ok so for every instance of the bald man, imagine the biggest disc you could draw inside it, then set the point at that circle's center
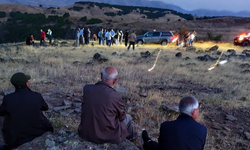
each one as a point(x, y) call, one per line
point(184, 133)
point(103, 119)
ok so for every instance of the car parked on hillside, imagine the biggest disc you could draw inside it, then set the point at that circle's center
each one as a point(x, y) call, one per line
point(242, 40)
point(156, 37)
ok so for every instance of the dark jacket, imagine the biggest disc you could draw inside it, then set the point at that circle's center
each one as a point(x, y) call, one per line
point(184, 133)
point(24, 119)
point(102, 115)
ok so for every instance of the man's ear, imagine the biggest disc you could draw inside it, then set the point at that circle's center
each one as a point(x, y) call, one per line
point(27, 84)
point(114, 81)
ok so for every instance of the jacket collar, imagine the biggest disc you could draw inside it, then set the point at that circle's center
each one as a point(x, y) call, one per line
point(22, 89)
point(104, 83)
point(184, 116)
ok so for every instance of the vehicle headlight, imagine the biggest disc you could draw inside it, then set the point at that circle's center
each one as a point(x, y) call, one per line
point(241, 38)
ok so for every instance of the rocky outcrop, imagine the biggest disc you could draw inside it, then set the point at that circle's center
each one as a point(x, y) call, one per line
point(63, 141)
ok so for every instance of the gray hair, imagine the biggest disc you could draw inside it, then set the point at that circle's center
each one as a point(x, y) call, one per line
point(108, 76)
point(188, 104)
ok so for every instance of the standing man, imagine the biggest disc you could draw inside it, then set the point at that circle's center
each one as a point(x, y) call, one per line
point(85, 34)
point(89, 34)
point(77, 37)
point(192, 36)
point(132, 40)
point(23, 111)
point(101, 37)
point(126, 38)
point(42, 35)
point(49, 33)
point(184, 133)
point(121, 37)
point(81, 36)
point(103, 118)
point(112, 36)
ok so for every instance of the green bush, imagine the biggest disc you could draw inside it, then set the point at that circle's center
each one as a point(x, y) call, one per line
point(216, 38)
point(66, 15)
point(112, 14)
point(83, 19)
point(75, 8)
point(2, 14)
point(94, 21)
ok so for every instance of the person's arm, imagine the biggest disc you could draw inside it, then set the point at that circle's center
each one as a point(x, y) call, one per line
point(204, 139)
point(44, 105)
point(3, 111)
point(121, 110)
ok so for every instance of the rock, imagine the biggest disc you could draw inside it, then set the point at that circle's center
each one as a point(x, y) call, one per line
point(242, 57)
point(55, 42)
point(142, 94)
point(67, 112)
point(77, 100)
point(231, 118)
point(231, 51)
point(120, 89)
point(243, 99)
point(216, 126)
point(7, 58)
point(190, 48)
point(100, 57)
point(214, 48)
point(90, 63)
point(77, 105)
point(77, 63)
point(245, 71)
point(246, 65)
point(66, 103)
point(92, 44)
point(199, 51)
point(206, 58)
point(169, 109)
point(145, 54)
point(226, 128)
point(187, 58)
point(153, 103)
point(247, 54)
point(179, 54)
point(114, 53)
point(218, 53)
point(1, 97)
point(49, 141)
point(57, 109)
point(247, 134)
point(78, 110)
point(245, 51)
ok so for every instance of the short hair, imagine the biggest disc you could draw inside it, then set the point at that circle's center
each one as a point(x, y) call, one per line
point(188, 104)
point(108, 76)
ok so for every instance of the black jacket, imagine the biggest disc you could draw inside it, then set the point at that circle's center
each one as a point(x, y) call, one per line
point(24, 119)
point(184, 133)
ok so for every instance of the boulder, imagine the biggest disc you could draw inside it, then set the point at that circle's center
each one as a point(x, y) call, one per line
point(145, 54)
point(100, 57)
point(190, 49)
point(179, 54)
point(206, 58)
point(214, 48)
point(72, 141)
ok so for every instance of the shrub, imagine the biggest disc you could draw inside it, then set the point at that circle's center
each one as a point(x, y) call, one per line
point(83, 19)
point(112, 14)
point(75, 8)
point(216, 38)
point(2, 14)
point(66, 15)
point(94, 21)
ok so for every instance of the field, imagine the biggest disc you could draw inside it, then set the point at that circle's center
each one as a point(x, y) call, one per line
point(60, 72)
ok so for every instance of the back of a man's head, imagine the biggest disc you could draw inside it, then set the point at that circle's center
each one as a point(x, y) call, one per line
point(109, 73)
point(188, 104)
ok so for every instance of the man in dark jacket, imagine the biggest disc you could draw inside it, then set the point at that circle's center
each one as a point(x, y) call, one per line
point(184, 133)
point(126, 38)
point(103, 118)
point(23, 111)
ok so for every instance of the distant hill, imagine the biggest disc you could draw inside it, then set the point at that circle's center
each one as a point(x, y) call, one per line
point(146, 3)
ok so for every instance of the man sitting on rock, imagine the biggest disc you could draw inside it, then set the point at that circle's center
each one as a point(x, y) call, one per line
point(184, 133)
point(103, 119)
point(23, 111)
point(30, 40)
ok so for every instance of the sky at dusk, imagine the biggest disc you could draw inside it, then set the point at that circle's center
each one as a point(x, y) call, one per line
point(231, 5)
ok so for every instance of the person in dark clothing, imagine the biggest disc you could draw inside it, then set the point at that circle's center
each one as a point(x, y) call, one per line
point(30, 40)
point(23, 111)
point(85, 34)
point(184, 133)
point(126, 38)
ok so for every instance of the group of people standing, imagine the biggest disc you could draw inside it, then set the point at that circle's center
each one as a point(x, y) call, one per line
point(188, 39)
point(111, 37)
point(30, 40)
point(82, 36)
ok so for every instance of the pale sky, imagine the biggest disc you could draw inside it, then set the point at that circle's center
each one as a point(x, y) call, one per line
point(230, 5)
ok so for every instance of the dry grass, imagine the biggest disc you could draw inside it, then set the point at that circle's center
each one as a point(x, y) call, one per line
point(56, 64)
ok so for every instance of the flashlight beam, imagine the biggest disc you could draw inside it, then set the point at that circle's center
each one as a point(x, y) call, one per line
point(155, 61)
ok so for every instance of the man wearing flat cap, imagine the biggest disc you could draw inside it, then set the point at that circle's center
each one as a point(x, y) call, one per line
point(23, 111)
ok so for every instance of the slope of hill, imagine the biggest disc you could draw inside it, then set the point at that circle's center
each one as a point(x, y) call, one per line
point(146, 3)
